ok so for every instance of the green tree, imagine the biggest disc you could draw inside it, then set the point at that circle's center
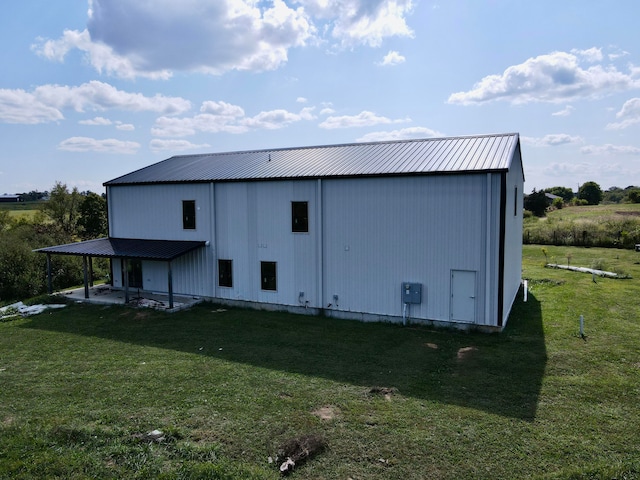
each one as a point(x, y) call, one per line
point(93, 216)
point(63, 207)
point(591, 192)
point(536, 202)
point(564, 192)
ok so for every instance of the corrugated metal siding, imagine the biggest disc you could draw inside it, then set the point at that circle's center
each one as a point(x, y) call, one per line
point(382, 232)
point(513, 234)
point(253, 224)
point(425, 156)
point(155, 211)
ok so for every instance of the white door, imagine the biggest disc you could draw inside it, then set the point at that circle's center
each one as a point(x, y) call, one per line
point(463, 296)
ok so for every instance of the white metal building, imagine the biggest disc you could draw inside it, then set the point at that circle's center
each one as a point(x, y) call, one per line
point(421, 230)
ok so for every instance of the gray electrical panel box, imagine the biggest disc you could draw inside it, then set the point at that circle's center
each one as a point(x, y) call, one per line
point(411, 292)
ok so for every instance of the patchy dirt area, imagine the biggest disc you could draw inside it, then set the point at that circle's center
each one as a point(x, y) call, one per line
point(629, 214)
point(465, 353)
point(326, 413)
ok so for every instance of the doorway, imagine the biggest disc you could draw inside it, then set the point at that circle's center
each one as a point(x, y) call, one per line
point(463, 296)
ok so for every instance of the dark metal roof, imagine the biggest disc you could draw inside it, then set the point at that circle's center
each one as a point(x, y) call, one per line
point(126, 248)
point(483, 153)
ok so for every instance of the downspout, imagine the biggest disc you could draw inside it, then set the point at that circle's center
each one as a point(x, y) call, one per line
point(320, 246)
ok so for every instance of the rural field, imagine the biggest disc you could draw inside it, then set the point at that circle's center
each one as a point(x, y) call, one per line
point(82, 387)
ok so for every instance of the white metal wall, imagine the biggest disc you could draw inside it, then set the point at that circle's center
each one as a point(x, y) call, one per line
point(368, 234)
point(513, 234)
point(155, 212)
point(253, 224)
point(380, 233)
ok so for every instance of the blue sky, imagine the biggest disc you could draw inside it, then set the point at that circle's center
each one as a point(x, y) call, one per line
point(92, 90)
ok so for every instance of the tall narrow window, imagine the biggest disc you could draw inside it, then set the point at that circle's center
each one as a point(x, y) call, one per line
point(225, 273)
point(268, 275)
point(189, 214)
point(515, 202)
point(299, 217)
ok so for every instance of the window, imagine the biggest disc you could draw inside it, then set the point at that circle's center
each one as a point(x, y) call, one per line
point(515, 202)
point(189, 214)
point(225, 273)
point(268, 275)
point(299, 217)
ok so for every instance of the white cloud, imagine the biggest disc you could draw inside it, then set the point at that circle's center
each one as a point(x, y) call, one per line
point(552, 140)
point(125, 126)
point(363, 119)
point(275, 119)
point(96, 121)
point(158, 145)
point(361, 22)
point(191, 35)
point(301, 100)
point(630, 115)
point(555, 77)
point(109, 145)
point(46, 102)
point(565, 112)
point(18, 106)
point(222, 109)
point(392, 58)
point(225, 117)
point(220, 36)
point(95, 95)
point(327, 111)
point(402, 134)
point(590, 55)
point(609, 149)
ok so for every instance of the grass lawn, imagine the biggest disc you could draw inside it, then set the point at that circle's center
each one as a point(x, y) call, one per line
point(80, 388)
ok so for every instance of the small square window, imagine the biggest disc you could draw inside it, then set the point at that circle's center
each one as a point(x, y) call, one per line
point(189, 214)
point(225, 273)
point(299, 217)
point(268, 275)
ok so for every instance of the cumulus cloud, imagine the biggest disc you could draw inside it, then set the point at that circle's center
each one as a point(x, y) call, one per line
point(96, 121)
point(609, 149)
point(555, 77)
point(565, 112)
point(363, 119)
point(629, 115)
point(158, 145)
point(402, 134)
point(392, 58)
point(46, 102)
point(128, 127)
point(225, 117)
point(216, 37)
point(552, 140)
point(18, 106)
point(109, 145)
point(361, 22)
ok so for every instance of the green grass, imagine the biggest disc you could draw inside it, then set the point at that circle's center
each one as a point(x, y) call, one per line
point(611, 225)
point(80, 386)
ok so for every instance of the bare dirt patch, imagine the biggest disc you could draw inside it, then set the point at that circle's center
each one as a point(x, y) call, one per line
point(465, 353)
point(327, 412)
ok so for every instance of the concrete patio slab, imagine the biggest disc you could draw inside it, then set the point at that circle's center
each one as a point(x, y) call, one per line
point(105, 295)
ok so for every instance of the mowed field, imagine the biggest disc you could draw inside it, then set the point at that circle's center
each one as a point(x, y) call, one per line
point(82, 387)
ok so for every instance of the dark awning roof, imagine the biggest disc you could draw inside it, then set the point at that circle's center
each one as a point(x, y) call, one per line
point(126, 248)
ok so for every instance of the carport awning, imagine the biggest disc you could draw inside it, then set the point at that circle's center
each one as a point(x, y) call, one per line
point(126, 248)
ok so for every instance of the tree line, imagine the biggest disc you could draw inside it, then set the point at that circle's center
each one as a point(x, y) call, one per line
point(589, 193)
point(67, 216)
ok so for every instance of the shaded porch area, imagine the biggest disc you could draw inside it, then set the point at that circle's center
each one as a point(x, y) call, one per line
point(107, 295)
point(125, 250)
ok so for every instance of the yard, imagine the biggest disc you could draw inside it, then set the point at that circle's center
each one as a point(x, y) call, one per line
point(81, 388)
